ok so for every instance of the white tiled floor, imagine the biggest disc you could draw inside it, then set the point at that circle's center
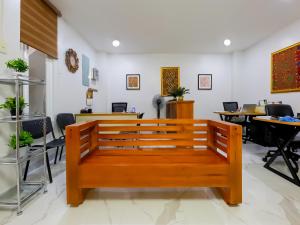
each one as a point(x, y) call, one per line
point(267, 199)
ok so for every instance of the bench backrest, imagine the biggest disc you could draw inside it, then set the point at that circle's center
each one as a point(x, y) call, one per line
point(162, 133)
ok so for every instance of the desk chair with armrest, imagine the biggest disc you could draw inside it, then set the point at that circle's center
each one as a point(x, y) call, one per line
point(280, 110)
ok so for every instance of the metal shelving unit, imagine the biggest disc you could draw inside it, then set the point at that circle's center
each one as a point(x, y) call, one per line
point(18, 195)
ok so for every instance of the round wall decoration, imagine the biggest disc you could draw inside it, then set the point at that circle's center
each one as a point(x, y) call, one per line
point(72, 61)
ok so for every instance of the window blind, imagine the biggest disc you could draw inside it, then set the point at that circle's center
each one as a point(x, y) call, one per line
point(39, 26)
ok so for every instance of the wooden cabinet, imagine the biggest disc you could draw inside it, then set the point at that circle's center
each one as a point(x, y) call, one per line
point(180, 110)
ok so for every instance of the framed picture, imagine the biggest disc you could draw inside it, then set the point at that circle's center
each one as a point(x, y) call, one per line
point(169, 79)
point(204, 81)
point(132, 81)
point(285, 69)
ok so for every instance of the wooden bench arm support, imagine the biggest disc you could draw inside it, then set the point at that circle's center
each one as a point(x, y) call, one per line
point(80, 140)
point(227, 138)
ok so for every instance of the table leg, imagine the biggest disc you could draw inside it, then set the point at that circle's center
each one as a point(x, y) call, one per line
point(281, 151)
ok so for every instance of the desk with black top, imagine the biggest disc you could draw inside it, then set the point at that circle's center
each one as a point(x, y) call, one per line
point(285, 133)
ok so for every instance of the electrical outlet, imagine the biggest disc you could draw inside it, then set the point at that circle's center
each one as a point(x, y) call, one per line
point(2, 46)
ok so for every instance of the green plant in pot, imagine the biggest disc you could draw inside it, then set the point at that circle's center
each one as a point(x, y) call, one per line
point(18, 65)
point(174, 94)
point(181, 91)
point(25, 139)
point(11, 105)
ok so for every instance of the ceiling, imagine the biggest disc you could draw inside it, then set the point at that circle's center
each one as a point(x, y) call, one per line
point(177, 26)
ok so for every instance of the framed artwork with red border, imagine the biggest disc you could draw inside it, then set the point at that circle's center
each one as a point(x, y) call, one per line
point(285, 70)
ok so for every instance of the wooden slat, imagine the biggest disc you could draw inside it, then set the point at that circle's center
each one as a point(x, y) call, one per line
point(84, 139)
point(153, 143)
point(222, 139)
point(84, 147)
point(221, 147)
point(153, 152)
point(39, 26)
point(151, 128)
point(152, 136)
point(154, 121)
point(221, 131)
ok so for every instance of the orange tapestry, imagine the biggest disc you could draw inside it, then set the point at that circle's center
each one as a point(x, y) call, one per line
point(286, 70)
point(169, 80)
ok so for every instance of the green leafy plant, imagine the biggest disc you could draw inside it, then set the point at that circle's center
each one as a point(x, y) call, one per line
point(181, 91)
point(25, 139)
point(18, 65)
point(10, 103)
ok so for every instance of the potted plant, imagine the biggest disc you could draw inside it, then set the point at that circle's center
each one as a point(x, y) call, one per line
point(181, 91)
point(18, 65)
point(174, 94)
point(25, 139)
point(10, 104)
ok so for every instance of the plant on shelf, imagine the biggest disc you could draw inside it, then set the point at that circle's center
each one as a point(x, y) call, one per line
point(25, 139)
point(10, 104)
point(179, 93)
point(174, 94)
point(18, 65)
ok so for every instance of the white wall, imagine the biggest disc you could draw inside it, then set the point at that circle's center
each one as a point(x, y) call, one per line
point(252, 74)
point(11, 35)
point(68, 92)
point(148, 66)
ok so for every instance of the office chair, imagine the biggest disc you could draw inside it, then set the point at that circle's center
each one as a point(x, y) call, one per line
point(119, 107)
point(280, 110)
point(230, 106)
point(63, 120)
point(240, 120)
point(36, 128)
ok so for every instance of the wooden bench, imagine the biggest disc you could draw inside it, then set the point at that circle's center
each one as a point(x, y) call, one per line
point(154, 153)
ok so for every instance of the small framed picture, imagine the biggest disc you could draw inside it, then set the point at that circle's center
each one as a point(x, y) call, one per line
point(132, 81)
point(204, 81)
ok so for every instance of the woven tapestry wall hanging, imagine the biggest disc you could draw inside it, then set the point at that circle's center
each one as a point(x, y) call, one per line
point(286, 70)
point(169, 79)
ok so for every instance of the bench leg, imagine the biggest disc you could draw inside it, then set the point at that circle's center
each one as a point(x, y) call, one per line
point(233, 195)
point(75, 197)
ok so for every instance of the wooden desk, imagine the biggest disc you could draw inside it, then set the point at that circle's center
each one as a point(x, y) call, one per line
point(180, 110)
point(231, 114)
point(84, 117)
point(286, 133)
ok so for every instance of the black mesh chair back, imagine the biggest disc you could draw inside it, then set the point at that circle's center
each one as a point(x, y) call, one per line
point(230, 106)
point(279, 110)
point(141, 115)
point(119, 107)
point(63, 120)
point(36, 128)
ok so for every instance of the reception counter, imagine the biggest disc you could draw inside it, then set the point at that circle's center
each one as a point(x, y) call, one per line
point(105, 116)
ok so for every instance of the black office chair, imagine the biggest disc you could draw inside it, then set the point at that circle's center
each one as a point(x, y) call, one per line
point(240, 120)
point(230, 106)
point(119, 107)
point(63, 120)
point(280, 110)
point(36, 129)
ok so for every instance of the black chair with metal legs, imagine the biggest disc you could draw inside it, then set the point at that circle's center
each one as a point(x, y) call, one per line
point(36, 129)
point(63, 120)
